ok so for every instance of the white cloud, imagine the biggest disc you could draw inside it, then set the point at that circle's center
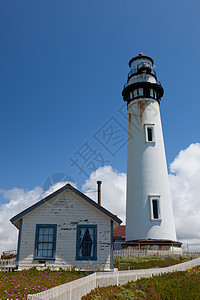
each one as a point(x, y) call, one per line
point(113, 190)
point(56, 187)
point(185, 192)
point(17, 201)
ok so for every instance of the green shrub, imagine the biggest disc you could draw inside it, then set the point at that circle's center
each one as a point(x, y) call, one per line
point(141, 294)
point(135, 263)
point(127, 294)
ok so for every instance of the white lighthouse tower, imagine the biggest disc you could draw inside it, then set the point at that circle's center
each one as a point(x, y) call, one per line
point(149, 215)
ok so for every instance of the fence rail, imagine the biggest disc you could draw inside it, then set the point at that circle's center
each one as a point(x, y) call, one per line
point(150, 253)
point(12, 253)
point(69, 291)
point(7, 264)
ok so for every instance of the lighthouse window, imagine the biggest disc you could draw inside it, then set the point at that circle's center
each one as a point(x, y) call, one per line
point(135, 93)
point(140, 92)
point(147, 92)
point(151, 93)
point(149, 133)
point(155, 207)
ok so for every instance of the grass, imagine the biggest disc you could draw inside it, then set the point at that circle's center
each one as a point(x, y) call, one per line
point(173, 286)
point(17, 285)
point(135, 263)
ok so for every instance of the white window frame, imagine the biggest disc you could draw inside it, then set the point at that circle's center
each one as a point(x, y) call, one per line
point(152, 127)
point(157, 198)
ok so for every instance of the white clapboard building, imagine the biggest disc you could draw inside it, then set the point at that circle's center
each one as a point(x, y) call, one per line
point(66, 229)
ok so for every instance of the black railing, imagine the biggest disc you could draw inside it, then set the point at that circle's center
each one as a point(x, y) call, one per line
point(143, 80)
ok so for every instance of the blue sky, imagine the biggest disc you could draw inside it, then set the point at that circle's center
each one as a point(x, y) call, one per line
point(63, 65)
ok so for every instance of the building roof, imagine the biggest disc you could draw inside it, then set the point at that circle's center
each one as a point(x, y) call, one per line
point(120, 231)
point(15, 219)
point(139, 57)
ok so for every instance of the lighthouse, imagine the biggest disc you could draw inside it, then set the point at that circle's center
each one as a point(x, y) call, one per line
point(149, 214)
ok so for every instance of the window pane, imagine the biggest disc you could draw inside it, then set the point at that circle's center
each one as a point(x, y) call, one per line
point(44, 253)
point(50, 231)
point(39, 253)
point(40, 246)
point(41, 238)
point(45, 246)
point(140, 92)
point(46, 230)
point(91, 232)
point(50, 246)
point(147, 92)
point(149, 134)
point(46, 238)
point(86, 243)
point(155, 209)
point(50, 238)
point(45, 242)
point(49, 253)
point(41, 230)
point(92, 250)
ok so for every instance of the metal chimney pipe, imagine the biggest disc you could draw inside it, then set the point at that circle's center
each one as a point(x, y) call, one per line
point(99, 191)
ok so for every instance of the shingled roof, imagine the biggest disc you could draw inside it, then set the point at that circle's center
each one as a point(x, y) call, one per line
point(120, 231)
point(15, 219)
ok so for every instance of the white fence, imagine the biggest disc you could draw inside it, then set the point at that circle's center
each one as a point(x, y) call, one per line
point(69, 291)
point(7, 264)
point(150, 253)
point(76, 289)
point(122, 277)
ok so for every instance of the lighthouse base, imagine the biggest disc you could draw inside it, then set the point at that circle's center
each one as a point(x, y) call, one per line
point(154, 246)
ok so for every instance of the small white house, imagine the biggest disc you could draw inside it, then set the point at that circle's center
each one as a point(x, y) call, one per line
point(66, 229)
